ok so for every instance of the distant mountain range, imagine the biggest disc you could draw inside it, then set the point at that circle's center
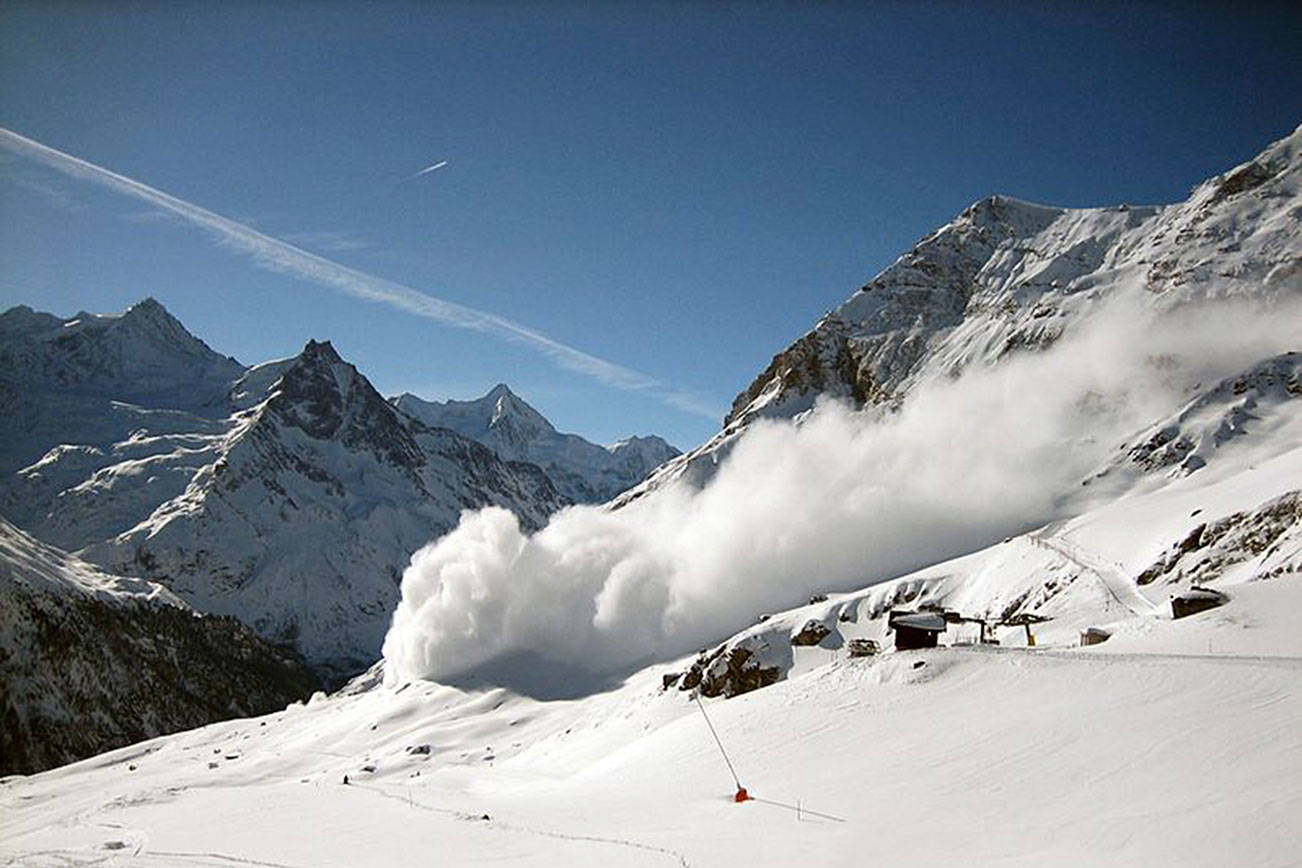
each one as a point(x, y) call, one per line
point(289, 495)
point(583, 472)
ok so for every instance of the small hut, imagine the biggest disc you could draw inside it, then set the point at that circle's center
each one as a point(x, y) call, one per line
point(916, 629)
point(1196, 600)
point(1094, 636)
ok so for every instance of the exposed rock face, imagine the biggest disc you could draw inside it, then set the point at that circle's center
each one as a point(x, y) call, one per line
point(581, 471)
point(1187, 441)
point(1211, 548)
point(735, 668)
point(812, 633)
point(863, 647)
point(90, 662)
point(1007, 277)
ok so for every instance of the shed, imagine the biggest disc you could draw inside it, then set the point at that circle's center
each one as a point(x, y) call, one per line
point(1094, 636)
point(1196, 600)
point(916, 629)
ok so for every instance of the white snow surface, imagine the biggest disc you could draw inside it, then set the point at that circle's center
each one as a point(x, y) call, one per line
point(31, 564)
point(1174, 742)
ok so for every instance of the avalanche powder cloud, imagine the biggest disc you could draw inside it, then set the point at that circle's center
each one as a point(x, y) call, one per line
point(834, 503)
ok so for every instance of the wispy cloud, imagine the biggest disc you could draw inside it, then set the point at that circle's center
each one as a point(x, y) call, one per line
point(329, 239)
point(425, 171)
point(282, 257)
point(52, 190)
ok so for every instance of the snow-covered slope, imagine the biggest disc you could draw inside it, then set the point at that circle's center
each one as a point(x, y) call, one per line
point(1173, 742)
point(582, 471)
point(1262, 405)
point(91, 661)
point(298, 520)
point(1007, 277)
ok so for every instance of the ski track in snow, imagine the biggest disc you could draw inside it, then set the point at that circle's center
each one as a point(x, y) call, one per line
point(1111, 575)
point(498, 825)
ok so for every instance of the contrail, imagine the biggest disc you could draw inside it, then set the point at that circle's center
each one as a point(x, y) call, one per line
point(425, 171)
point(279, 256)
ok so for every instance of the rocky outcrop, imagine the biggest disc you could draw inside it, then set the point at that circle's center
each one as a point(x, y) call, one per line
point(733, 668)
point(1270, 535)
point(1187, 441)
point(812, 633)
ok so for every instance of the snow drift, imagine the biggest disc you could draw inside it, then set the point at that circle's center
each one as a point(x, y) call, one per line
point(834, 501)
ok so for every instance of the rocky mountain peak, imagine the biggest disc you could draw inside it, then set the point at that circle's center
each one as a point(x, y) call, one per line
point(327, 399)
point(149, 308)
point(23, 320)
point(511, 412)
point(320, 352)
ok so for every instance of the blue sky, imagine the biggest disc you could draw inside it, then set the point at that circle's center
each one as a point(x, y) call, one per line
point(678, 190)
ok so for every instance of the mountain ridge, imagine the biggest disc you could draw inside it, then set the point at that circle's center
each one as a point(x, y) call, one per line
point(583, 471)
point(1008, 277)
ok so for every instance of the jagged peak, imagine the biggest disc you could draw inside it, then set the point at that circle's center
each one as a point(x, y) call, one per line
point(322, 351)
point(22, 318)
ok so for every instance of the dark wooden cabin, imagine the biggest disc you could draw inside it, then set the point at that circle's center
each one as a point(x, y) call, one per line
point(1196, 600)
point(916, 629)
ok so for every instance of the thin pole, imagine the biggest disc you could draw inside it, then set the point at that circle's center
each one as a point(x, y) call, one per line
point(717, 741)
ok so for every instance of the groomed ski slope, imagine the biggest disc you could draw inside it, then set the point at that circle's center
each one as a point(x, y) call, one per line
point(1002, 757)
point(1175, 742)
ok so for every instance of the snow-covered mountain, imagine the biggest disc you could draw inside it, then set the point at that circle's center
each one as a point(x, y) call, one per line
point(582, 471)
point(91, 661)
point(1007, 277)
point(310, 506)
point(92, 379)
point(289, 495)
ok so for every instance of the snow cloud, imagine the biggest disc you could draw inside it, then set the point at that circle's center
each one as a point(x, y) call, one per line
point(834, 503)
